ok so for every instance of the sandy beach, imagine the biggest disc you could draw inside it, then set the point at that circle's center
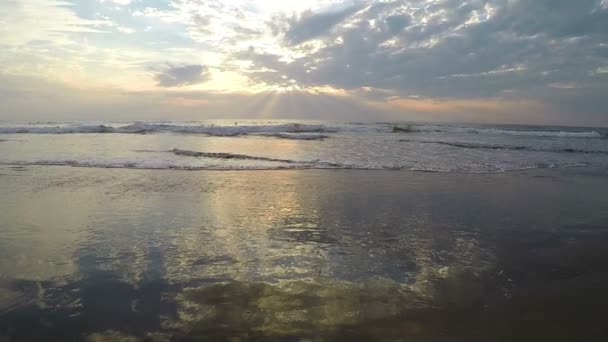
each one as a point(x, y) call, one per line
point(302, 254)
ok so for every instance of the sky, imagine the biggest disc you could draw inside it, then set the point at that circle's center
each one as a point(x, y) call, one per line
point(488, 61)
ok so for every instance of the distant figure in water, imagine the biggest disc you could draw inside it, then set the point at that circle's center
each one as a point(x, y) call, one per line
point(235, 123)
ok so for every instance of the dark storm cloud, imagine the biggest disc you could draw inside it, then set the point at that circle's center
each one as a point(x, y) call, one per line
point(181, 75)
point(449, 48)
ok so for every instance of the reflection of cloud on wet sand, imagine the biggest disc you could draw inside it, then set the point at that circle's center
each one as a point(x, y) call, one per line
point(301, 308)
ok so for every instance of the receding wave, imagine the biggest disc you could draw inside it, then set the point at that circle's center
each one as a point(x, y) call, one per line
point(505, 147)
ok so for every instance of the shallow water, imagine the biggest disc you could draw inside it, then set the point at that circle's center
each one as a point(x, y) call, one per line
point(98, 254)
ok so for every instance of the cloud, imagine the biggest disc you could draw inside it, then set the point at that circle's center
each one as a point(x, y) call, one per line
point(448, 48)
point(181, 75)
point(396, 23)
point(310, 25)
point(21, 23)
point(432, 57)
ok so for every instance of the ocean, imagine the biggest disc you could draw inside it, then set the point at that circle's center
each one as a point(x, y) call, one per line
point(246, 145)
point(302, 231)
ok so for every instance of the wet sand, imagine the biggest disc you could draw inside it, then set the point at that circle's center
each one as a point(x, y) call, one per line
point(321, 255)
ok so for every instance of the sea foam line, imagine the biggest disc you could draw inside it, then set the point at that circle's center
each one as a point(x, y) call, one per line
point(286, 166)
point(504, 147)
point(225, 155)
point(498, 131)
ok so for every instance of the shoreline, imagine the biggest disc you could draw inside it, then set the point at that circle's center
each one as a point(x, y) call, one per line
point(591, 169)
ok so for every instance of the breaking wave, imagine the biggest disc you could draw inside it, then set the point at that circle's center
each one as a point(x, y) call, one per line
point(297, 131)
point(142, 128)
